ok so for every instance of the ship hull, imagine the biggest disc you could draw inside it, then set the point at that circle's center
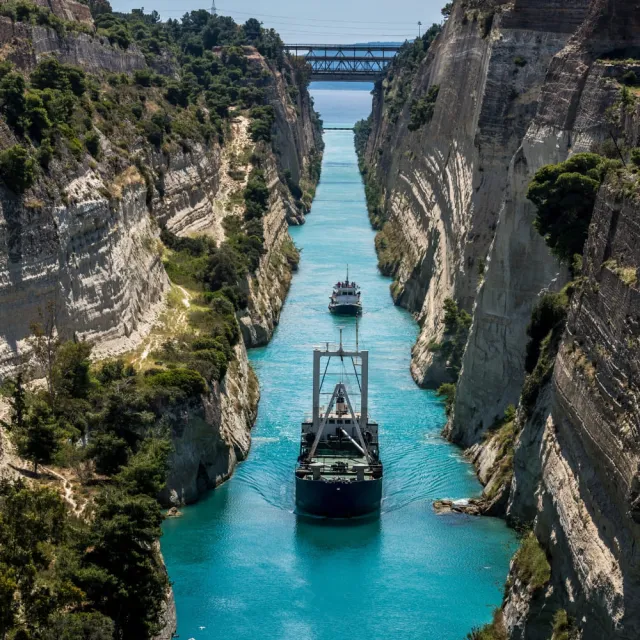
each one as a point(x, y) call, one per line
point(345, 309)
point(338, 499)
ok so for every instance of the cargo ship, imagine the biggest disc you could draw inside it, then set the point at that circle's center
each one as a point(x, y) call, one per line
point(345, 298)
point(339, 471)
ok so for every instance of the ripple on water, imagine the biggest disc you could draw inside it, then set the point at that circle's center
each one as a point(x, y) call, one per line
point(243, 564)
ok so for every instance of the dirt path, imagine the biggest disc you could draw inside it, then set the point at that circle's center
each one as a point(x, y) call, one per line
point(68, 491)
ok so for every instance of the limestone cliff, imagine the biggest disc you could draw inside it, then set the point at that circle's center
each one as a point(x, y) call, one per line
point(571, 471)
point(212, 434)
point(444, 183)
point(457, 223)
point(80, 249)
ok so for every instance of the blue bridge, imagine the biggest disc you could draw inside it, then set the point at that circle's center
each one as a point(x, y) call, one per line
point(345, 62)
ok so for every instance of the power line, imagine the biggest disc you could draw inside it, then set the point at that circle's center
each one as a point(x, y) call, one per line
point(314, 20)
point(320, 26)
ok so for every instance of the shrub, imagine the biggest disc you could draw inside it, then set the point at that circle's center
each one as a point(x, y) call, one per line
point(630, 78)
point(256, 195)
point(92, 142)
point(564, 195)
point(564, 627)
point(191, 383)
point(262, 119)
point(519, 61)
point(17, 168)
point(530, 564)
point(457, 323)
point(495, 630)
point(423, 108)
point(12, 99)
point(635, 157)
point(447, 391)
point(550, 312)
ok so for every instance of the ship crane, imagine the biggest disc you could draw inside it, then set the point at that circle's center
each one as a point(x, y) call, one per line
point(339, 472)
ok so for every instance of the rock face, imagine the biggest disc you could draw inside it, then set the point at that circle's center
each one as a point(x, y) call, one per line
point(92, 267)
point(83, 253)
point(444, 184)
point(212, 435)
point(569, 466)
point(576, 460)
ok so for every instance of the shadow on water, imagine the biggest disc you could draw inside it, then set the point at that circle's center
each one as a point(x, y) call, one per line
point(332, 535)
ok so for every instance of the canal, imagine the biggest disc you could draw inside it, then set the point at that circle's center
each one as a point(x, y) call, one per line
point(244, 566)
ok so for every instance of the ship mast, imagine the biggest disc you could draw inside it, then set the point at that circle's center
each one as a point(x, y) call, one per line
point(320, 421)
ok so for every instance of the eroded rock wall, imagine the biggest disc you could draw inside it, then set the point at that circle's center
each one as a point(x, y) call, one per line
point(444, 183)
point(212, 434)
point(92, 267)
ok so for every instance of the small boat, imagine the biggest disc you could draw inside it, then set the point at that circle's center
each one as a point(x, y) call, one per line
point(339, 472)
point(345, 299)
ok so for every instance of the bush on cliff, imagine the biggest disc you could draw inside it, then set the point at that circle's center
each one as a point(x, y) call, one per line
point(189, 383)
point(564, 195)
point(530, 564)
point(457, 323)
point(422, 109)
point(447, 392)
point(17, 168)
point(564, 627)
point(66, 577)
point(550, 312)
point(495, 630)
point(262, 120)
point(256, 195)
point(545, 331)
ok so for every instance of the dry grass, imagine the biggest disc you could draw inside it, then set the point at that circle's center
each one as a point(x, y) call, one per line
point(127, 178)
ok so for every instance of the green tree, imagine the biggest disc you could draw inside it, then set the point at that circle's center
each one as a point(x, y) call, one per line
point(109, 452)
point(79, 626)
point(17, 168)
point(564, 195)
point(123, 575)
point(12, 99)
point(147, 470)
point(39, 438)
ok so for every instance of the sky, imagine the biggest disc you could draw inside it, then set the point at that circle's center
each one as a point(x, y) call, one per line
point(323, 21)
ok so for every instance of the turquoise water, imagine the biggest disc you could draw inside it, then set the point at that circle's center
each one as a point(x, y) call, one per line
point(244, 565)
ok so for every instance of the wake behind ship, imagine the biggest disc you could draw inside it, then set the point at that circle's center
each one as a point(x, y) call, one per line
point(339, 472)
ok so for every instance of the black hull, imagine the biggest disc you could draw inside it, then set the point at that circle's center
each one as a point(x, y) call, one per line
point(346, 309)
point(338, 499)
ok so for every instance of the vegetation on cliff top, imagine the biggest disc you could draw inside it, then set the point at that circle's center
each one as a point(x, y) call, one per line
point(61, 116)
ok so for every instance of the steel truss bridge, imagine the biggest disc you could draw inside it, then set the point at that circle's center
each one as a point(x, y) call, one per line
point(345, 62)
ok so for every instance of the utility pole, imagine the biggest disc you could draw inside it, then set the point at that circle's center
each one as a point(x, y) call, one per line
point(419, 29)
point(214, 11)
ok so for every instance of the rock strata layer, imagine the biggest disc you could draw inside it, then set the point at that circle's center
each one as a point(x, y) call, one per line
point(459, 225)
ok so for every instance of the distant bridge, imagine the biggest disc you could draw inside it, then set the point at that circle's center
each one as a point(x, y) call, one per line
point(345, 62)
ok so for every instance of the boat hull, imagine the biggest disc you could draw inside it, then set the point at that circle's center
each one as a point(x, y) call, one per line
point(338, 499)
point(346, 309)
